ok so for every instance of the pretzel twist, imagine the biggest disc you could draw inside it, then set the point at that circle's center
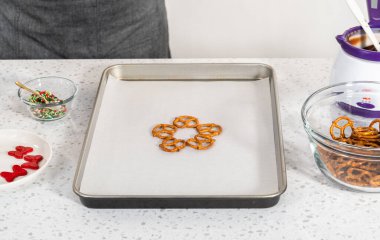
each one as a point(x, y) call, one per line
point(374, 122)
point(203, 138)
point(172, 144)
point(186, 122)
point(335, 124)
point(200, 145)
point(209, 129)
point(164, 130)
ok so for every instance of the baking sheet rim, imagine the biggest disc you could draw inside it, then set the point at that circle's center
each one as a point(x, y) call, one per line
point(281, 171)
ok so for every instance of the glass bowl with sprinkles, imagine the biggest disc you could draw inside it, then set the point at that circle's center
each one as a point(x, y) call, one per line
point(57, 95)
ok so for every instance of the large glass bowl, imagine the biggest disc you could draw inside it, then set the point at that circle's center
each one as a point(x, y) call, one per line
point(62, 88)
point(355, 167)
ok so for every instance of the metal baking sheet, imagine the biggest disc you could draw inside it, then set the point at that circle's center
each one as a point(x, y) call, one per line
point(121, 165)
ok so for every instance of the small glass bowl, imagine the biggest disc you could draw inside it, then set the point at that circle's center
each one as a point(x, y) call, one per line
point(355, 167)
point(62, 88)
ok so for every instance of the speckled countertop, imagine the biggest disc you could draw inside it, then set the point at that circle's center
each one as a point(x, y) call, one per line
point(311, 208)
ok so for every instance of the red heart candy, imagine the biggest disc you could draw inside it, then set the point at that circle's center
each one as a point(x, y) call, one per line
point(30, 165)
point(16, 154)
point(8, 176)
point(19, 171)
point(24, 150)
point(33, 158)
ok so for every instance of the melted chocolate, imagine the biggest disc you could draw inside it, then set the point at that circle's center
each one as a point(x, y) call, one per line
point(370, 48)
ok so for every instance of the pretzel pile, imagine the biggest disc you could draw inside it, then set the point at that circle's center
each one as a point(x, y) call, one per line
point(360, 136)
point(201, 141)
point(353, 170)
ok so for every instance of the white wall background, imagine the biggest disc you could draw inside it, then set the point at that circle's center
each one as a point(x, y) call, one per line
point(257, 28)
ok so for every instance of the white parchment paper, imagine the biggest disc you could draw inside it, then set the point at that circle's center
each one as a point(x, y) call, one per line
point(125, 159)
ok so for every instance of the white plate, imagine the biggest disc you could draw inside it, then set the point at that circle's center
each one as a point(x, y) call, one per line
point(9, 139)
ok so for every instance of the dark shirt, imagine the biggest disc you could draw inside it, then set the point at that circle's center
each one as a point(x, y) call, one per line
point(83, 29)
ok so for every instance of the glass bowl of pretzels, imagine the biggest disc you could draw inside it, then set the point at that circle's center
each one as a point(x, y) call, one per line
point(344, 133)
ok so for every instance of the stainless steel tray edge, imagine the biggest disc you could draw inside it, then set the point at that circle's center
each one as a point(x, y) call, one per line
point(280, 143)
point(89, 133)
point(265, 71)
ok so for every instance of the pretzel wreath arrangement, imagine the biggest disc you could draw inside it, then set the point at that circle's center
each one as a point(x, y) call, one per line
point(203, 140)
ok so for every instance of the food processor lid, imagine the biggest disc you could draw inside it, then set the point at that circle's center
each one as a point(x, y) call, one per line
point(374, 16)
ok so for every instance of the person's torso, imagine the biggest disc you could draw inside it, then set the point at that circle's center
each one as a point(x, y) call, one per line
point(75, 28)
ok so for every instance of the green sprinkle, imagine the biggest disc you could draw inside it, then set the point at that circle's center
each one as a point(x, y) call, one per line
point(47, 113)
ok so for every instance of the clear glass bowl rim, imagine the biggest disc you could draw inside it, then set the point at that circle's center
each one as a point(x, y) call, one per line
point(64, 101)
point(330, 143)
